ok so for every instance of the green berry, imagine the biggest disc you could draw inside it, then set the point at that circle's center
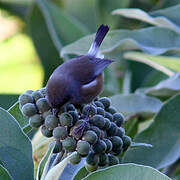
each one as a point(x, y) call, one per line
point(51, 121)
point(83, 148)
point(29, 92)
point(120, 132)
point(29, 109)
point(45, 131)
point(108, 144)
point(74, 115)
point(60, 133)
point(99, 104)
point(117, 152)
point(96, 130)
point(111, 110)
point(25, 98)
point(105, 101)
point(99, 147)
point(98, 120)
point(89, 110)
point(36, 95)
point(100, 111)
point(107, 124)
point(109, 116)
point(118, 118)
point(36, 121)
point(69, 144)
point(103, 159)
point(113, 160)
point(43, 91)
point(92, 158)
point(116, 142)
point(66, 119)
point(90, 136)
point(75, 158)
point(42, 105)
point(46, 113)
point(70, 107)
point(126, 142)
point(112, 130)
point(91, 168)
point(57, 147)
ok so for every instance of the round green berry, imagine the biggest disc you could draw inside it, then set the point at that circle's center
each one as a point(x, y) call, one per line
point(36, 121)
point(83, 148)
point(105, 101)
point(60, 133)
point(108, 145)
point(92, 158)
point(116, 142)
point(46, 113)
point(113, 160)
point(74, 115)
point(98, 120)
point(42, 105)
point(112, 130)
point(111, 110)
point(29, 92)
point(117, 152)
point(99, 104)
point(45, 131)
point(70, 107)
point(69, 144)
point(107, 124)
point(75, 158)
point(57, 147)
point(108, 116)
point(89, 110)
point(120, 132)
point(25, 98)
point(43, 91)
point(36, 95)
point(126, 142)
point(99, 147)
point(118, 118)
point(90, 136)
point(96, 130)
point(100, 111)
point(51, 121)
point(29, 109)
point(66, 119)
point(103, 159)
point(91, 168)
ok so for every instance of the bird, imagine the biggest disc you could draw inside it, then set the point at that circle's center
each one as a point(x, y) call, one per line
point(80, 79)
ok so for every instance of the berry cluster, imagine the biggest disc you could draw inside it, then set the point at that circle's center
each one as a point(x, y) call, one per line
point(92, 130)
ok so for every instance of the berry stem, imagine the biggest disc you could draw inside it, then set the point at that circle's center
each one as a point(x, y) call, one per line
point(58, 159)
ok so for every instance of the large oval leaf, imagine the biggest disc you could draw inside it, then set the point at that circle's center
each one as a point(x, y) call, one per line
point(136, 104)
point(155, 40)
point(15, 148)
point(4, 175)
point(163, 134)
point(127, 172)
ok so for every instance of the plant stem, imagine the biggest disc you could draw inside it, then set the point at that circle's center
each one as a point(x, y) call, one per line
point(57, 159)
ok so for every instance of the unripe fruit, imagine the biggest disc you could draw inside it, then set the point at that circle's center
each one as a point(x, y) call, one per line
point(74, 115)
point(100, 111)
point(99, 104)
point(112, 130)
point(29, 92)
point(120, 132)
point(126, 142)
point(90, 136)
point(70, 107)
point(43, 91)
point(99, 147)
point(107, 124)
point(91, 168)
point(103, 159)
point(98, 120)
point(116, 142)
point(96, 130)
point(118, 118)
point(117, 152)
point(69, 144)
point(66, 119)
point(60, 133)
point(29, 109)
point(108, 145)
point(75, 158)
point(42, 105)
point(25, 98)
point(113, 160)
point(89, 110)
point(111, 110)
point(92, 158)
point(83, 148)
point(105, 101)
point(36, 121)
point(108, 116)
point(51, 121)
point(45, 114)
point(57, 147)
point(45, 131)
point(36, 95)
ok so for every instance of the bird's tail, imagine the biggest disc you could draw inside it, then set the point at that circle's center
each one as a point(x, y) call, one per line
point(101, 33)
